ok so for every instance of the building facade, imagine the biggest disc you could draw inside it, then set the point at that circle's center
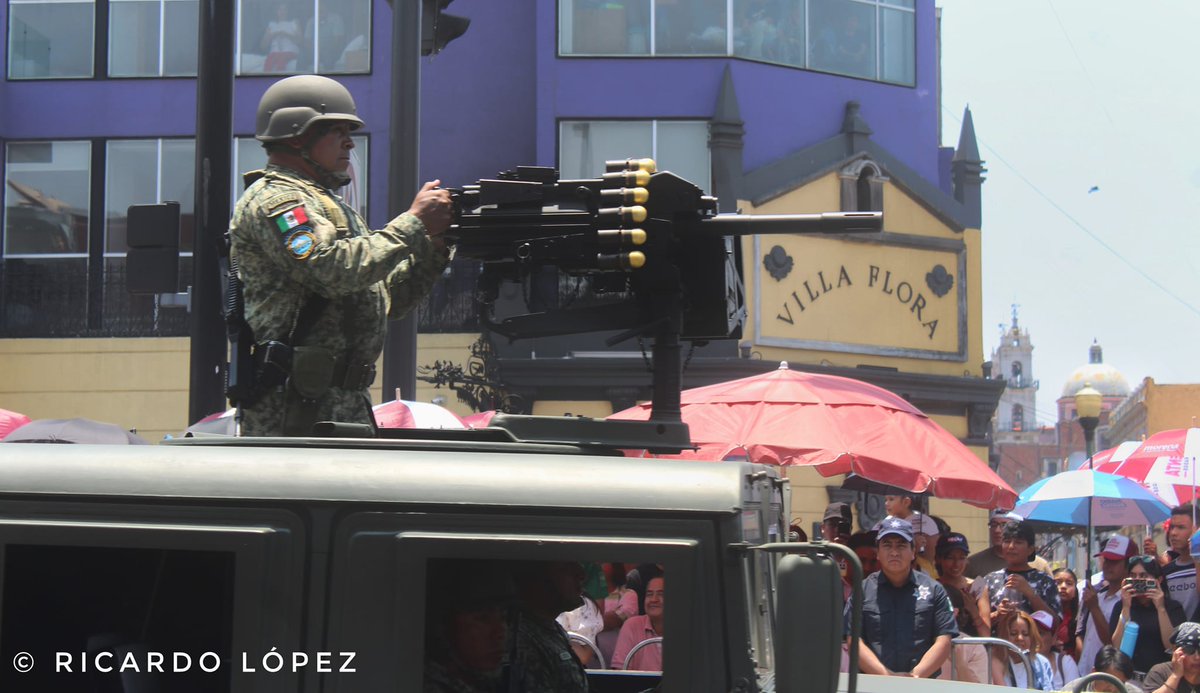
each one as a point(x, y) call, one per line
point(773, 105)
point(1152, 408)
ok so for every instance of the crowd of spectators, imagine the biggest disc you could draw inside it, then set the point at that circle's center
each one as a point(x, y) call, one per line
point(1137, 619)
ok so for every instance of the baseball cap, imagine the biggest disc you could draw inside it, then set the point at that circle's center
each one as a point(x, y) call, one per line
point(1187, 634)
point(1044, 620)
point(1117, 548)
point(895, 526)
point(837, 511)
point(952, 542)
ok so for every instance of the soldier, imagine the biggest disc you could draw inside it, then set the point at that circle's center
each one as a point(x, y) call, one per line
point(319, 285)
point(542, 660)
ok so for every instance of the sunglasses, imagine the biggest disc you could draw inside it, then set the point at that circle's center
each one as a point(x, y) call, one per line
point(1190, 650)
point(1142, 560)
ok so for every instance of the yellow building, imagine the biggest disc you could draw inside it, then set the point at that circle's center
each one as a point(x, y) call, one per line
point(1152, 408)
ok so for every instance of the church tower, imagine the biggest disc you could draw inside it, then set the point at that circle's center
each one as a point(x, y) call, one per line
point(1015, 430)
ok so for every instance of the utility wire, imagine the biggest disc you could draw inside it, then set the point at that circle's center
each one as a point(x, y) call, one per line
point(1090, 234)
point(1082, 65)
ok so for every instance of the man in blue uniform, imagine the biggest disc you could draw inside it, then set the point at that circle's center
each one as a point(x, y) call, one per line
point(907, 617)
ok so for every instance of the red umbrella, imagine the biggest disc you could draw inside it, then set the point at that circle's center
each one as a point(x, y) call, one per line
point(837, 425)
point(11, 421)
point(1165, 463)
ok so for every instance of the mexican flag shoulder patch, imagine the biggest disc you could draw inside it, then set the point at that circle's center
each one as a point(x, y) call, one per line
point(292, 218)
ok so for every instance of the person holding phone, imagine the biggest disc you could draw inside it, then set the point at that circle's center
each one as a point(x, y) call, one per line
point(1145, 602)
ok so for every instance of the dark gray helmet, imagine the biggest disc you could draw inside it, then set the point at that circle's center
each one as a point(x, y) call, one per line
point(291, 105)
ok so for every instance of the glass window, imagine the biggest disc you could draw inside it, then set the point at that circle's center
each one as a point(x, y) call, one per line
point(677, 146)
point(50, 38)
point(248, 155)
point(898, 46)
point(151, 38)
point(843, 37)
point(46, 198)
point(146, 172)
point(604, 27)
point(292, 36)
point(690, 27)
point(770, 30)
point(873, 39)
point(82, 601)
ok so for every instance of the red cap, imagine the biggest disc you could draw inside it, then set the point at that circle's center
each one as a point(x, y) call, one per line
point(1117, 548)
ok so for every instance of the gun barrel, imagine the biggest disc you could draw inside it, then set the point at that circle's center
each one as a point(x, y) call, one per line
point(825, 222)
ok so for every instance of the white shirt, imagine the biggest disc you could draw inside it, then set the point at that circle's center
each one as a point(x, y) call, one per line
point(1091, 641)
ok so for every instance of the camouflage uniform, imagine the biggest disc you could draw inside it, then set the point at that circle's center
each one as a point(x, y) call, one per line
point(294, 239)
point(544, 661)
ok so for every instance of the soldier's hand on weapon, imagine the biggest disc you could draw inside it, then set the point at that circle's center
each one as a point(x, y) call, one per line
point(432, 207)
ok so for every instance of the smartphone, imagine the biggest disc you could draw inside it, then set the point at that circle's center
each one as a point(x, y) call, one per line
point(1140, 585)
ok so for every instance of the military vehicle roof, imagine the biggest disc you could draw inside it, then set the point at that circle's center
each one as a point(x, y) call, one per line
point(323, 470)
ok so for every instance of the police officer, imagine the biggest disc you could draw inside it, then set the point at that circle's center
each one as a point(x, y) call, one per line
point(907, 619)
point(319, 285)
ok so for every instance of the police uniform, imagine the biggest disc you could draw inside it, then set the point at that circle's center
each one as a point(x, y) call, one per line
point(298, 245)
point(900, 624)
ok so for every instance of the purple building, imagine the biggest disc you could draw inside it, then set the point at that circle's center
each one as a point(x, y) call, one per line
point(743, 97)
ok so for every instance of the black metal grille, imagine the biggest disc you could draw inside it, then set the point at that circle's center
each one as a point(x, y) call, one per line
point(52, 298)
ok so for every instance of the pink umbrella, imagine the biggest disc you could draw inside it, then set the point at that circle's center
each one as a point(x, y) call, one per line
point(1165, 463)
point(402, 413)
point(10, 421)
point(394, 414)
point(837, 425)
point(479, 419)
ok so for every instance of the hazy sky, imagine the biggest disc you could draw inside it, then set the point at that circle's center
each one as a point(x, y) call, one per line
point(1068, 95)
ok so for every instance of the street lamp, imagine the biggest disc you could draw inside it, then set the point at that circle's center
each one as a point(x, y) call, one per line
point(1087, 406)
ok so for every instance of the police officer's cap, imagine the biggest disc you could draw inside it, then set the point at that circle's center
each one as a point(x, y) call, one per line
point(292, 105)
point(894, 526)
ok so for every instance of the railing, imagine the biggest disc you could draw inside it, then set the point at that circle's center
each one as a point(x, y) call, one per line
point(585, 640)
point(638, 648)
point(56, 298)
point(989, 643)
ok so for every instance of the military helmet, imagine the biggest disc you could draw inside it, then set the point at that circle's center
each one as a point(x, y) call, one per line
point(291, 105)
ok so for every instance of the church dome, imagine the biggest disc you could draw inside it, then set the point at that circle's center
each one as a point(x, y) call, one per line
point(1108, 380)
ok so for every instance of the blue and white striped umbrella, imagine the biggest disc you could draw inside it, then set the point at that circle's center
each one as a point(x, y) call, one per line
point(1089, 498)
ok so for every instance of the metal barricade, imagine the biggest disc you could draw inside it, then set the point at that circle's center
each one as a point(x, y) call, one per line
point(989, 643)
point(638, 647)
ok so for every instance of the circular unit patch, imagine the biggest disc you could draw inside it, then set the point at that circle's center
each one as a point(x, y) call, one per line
point(301, 243)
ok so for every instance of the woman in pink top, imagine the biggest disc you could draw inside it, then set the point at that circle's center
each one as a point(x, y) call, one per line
point(639, 628)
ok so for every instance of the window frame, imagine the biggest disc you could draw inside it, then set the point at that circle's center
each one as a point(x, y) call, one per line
point(158, 142)
point(4, 199)
point(705, 185)
point(316, 4)
point(266, 545)
point(162, 24)
point(878, 7)
point(99, 27)
point(376, 596)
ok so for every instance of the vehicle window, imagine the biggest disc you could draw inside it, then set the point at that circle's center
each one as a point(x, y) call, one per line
point(76, 610)
point(488, 621)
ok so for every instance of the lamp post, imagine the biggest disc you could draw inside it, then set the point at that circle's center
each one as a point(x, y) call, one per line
point(1087, 408)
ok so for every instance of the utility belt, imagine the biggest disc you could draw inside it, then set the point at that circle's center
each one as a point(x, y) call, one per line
point(306, 374)
point(275, 363)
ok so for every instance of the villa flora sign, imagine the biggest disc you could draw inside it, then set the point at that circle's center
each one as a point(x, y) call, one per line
point(830, 294)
